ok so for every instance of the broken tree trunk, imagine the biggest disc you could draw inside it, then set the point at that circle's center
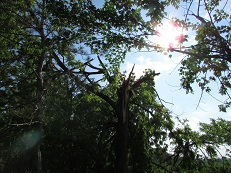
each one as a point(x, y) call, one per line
point(122, 111)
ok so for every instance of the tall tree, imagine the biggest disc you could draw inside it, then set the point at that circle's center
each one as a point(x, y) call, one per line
point(43, 39)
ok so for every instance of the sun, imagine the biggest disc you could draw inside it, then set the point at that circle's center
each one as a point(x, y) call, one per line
point(169, 35)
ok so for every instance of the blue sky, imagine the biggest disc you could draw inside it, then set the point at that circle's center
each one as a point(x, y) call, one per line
point(168, 87)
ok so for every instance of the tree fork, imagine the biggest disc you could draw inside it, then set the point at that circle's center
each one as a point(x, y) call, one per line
point(122, 113)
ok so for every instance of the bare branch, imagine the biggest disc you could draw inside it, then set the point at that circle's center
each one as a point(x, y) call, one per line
point(107, 75)
point(94, 67)
point(202, 91)
point(129, 77)
point(204, 56)
point(25, 124)
point(82, 84)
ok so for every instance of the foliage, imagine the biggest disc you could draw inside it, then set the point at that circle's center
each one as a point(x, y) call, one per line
point(208, 61)
point(218, 131)
point(199, 151)
point(85, 135)
point(60, 86)
point(46, 43)
point(77, 139)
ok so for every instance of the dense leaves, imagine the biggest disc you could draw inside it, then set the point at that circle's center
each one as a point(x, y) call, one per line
point(48, 43)
point(62, 92)
point(208, 61)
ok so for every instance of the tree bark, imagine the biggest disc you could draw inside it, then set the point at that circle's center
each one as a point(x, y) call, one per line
point(121, 150)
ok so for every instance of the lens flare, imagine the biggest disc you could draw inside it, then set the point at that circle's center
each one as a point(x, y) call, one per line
point(27, 141)
point(169, 35)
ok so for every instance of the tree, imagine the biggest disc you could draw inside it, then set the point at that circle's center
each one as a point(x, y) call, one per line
point(217, 131)
point(86, 138)
point(209, 59)
point(149, 127)
point(15, 105)
point(61, 76)
point(205, 62)
point(199, 151)
point(77, 128)
point(46, 39)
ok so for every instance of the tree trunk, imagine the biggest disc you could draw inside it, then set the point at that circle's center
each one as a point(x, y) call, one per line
point(37, 162)
point(121, 150)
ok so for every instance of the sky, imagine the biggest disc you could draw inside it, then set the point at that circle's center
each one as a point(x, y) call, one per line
point(168, 82)
point(168, 87)
point(183, 105)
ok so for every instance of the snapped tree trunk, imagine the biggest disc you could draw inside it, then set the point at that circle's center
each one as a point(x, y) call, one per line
point(121, 150)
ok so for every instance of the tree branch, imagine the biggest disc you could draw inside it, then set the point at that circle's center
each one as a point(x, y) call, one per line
point(143, 79)
point(82, 84)
point(107, 75)
point(198, 55)
point(162, 167)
